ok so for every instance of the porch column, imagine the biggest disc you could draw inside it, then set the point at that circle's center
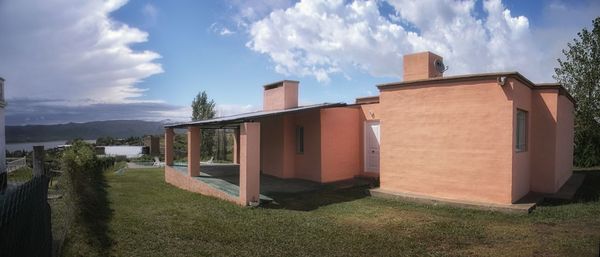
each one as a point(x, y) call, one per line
point(249, 162)
point(193, 152)
point(236, 146)
point(169, 135)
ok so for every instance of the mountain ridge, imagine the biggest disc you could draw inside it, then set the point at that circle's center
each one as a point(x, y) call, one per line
point(84, 130)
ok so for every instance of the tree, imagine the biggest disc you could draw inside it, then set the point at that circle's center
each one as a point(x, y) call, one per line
point(579, 72)
point(203, 109)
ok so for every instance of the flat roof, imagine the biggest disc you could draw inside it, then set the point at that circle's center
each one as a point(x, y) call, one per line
point(234, 120)
point(474, 77)
point(367, 99)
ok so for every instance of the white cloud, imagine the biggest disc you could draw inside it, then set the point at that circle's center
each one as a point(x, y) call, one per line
point(247, 11)
point(323, 37)
point(151, 13)
point(220, 29)
point(73, 51)
point(232, 109)
point(225, 32)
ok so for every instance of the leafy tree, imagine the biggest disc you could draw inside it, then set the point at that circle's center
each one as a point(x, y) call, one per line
point(203, 109)
point(579, 72)
point(105, 141)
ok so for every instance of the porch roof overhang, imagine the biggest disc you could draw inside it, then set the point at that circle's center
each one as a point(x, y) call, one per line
point(233, 121)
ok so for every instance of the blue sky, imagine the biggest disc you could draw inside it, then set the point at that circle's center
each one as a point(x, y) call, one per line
point(229, 71)
point(74, 61)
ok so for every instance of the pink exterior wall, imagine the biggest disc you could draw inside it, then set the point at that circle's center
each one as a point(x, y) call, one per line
point(552, 155)
point(308, 165)
point(543, 135)
point(278, 146)
point(564, 141)
point(521, 98)
point(271, 150)
point(340, 147)
point(451, 140)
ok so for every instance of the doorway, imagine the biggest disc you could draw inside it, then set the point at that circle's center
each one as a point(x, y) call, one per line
point(371, 144)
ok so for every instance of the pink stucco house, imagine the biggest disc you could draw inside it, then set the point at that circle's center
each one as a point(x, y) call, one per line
point(484, 138)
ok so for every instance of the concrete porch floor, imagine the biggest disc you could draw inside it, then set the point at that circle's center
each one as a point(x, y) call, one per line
point(225, 177)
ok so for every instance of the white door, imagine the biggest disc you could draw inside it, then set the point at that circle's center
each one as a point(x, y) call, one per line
point(372, 146)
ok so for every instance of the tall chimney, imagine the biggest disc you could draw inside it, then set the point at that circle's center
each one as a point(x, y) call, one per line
point(422, 65)
point(280, 95)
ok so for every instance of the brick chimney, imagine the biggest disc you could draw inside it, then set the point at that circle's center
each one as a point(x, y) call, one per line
point(280, 95)
point(422, 65)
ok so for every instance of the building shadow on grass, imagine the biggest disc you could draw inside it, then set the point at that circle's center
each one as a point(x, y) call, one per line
point(312, 200)
point(92, 209)
point(588, 192)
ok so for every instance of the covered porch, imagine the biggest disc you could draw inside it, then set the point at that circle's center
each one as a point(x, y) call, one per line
point(225, 178)
point(246, 163)
point(240, 182)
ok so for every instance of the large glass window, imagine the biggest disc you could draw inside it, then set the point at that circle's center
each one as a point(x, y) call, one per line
point(521, 133)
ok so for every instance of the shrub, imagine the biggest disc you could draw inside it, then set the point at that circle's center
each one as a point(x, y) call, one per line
point(87, 202)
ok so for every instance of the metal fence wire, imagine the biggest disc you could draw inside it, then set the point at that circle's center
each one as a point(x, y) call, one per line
point(25, 225)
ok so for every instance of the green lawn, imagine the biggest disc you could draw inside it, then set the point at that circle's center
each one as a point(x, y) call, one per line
point(20, 175)
point(147, 217)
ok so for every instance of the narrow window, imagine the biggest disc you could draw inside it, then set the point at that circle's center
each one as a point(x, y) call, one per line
point(299, 139)
point(521, 135)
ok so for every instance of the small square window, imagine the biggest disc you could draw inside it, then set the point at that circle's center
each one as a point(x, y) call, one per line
point(299, 140)
point(522, 130)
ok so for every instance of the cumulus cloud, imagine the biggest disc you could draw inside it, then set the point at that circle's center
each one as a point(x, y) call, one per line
point(320, 38)
point(247, 11)
point(72, 51)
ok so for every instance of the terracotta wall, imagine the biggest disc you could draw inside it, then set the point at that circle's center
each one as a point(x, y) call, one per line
point(340, 147)
point(452, 141)
point(543, 136)
point(308, 165)
point(564, 141)
point(552, 132)
point(278, 146)
point(521, 97)
point(271, 146)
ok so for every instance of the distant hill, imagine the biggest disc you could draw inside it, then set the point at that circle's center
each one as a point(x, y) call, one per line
point(87, 130)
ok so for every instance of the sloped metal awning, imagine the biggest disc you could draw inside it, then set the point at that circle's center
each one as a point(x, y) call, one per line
point(234, 120)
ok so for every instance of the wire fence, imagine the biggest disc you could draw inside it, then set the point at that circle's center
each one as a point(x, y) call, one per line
point(25, 224)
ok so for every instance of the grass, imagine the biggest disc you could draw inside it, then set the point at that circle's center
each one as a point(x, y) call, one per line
point(20, 175)
point(148, 217)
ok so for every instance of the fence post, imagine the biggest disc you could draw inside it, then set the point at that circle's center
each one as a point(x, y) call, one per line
point(38, 160)
point(3, 181)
